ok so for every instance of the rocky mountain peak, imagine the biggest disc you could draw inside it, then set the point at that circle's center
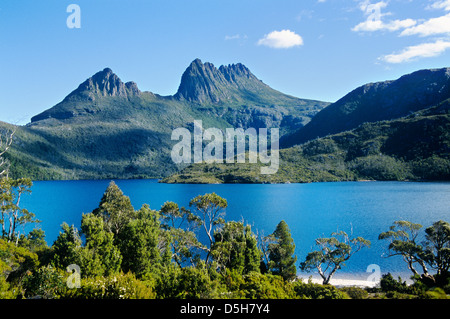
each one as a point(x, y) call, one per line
point(104, 83)
point(204, 83)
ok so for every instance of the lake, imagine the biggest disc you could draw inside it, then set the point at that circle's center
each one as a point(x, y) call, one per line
point(310, 210)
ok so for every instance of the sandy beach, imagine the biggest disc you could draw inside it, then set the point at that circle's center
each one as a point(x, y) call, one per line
point(343, 282)
point(357, 279)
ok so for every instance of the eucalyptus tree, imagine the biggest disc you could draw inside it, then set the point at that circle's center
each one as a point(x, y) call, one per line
point(181, 224)
point(332, 254)
point(437, 249)
point(6, 139)
point(404, 240)
point(210, 212)
point(12, 215)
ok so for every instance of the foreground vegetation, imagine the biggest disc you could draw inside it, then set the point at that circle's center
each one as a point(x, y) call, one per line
point(178, 252)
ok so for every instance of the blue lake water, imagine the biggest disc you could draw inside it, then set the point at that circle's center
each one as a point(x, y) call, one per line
point(310, 210)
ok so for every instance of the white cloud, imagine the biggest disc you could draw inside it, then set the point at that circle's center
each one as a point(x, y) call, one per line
point(232, 37)
point(378, 25)
point(408, 27)
point(443, 4)
point(440, 25)
point(424, 50)
point(373, 21)
point(281, 39)
point(373, 9)
point(235, 37)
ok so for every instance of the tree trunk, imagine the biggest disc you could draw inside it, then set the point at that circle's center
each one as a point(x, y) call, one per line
point(327, 280)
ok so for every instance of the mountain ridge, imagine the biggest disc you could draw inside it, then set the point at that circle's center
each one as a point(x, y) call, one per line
point(106, 128)
point(377, 101)
point(412, 148)
point(202, 84)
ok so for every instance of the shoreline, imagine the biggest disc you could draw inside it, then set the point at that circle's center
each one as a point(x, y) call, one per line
point(361, 280)
point(340, 282)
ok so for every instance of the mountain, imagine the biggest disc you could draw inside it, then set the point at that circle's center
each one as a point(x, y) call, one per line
point(106, 128)
point(415, 147)
point(83, 100)
point(376, 102)
point(234, 94)
point(203, 83)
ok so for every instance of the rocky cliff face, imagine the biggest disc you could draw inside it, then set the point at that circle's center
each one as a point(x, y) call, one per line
point(204, 83)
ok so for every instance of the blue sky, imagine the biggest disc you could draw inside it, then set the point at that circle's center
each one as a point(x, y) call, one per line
point(317, 49)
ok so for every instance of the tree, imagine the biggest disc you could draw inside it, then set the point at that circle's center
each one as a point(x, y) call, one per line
point(175, 217)
point(281, 250)
point(100, 256)
point(34, 240)
point(235, 248)
point(333, 253)
point(143, 245)
point(180, 224)
point(211, 208)
point(66, 248)
point(437, 251)
point(115, 208)
point(6, 139)
point(403, 241)
point(263, 245)
point(12, 216)
point(252, 253)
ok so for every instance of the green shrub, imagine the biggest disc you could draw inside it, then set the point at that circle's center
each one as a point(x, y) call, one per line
point(46, 282)
point(317, 291)
point(266, 286)
point(435, 293)
point(117, 286)
point(189, 282)
point(355, 292)
point(389, 284)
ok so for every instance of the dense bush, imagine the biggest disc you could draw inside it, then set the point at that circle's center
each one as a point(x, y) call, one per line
point(381, 167)
point(316, 291)
point(117, 286)
point(389, 284)
point(45, 282)
point(355, 292)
